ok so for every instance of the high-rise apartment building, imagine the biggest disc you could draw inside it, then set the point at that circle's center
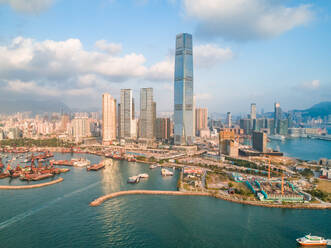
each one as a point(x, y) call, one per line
point(183, 91)
point(253, 111)
point(162, 128)
point(80, 128)
point(108, 118)
point(201, 119)
point(147, 114)
point(259, 141)
point(128, 125)
point(65, 120)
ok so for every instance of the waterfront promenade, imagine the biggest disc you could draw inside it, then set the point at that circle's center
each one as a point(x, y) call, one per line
point(5, 187)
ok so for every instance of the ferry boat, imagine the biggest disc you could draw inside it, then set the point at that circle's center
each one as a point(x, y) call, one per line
point(312, 240)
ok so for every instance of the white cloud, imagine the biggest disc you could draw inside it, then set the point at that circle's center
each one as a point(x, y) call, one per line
point(30, 87)
point(64, 69)
point(203, 96)
point(210, 54)
point(112, 48)
point(245, 19)
point(28, 6)
point(313, 85)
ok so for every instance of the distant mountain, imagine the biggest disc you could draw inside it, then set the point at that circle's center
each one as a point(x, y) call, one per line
point(321, 109)
point(8, 106)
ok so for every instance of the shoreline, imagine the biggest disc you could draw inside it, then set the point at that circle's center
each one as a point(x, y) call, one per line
point(100, 200)
point(16, 187)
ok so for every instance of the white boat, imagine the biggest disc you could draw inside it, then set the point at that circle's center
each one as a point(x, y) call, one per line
point(134, 179)
point(277, 137)
point(81, 162)
point(312, 240)
point(152, 166)
point(144, 175)
point(165, 172)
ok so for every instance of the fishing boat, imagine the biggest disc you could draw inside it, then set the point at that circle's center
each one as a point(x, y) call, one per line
point(312, 240)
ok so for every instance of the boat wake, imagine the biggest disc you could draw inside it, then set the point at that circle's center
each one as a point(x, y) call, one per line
point(30, 212)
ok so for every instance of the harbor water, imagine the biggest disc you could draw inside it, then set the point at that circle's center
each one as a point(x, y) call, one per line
point(303, 148)
point(60, 216)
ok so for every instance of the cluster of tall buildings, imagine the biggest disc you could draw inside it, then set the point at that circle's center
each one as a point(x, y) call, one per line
point(187, 120)
point(272, 126)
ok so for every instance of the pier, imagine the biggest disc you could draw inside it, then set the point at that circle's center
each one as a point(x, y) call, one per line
point(4, 187)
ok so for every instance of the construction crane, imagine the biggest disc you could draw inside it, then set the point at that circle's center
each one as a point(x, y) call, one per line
point(269, 170)
point(282, 184)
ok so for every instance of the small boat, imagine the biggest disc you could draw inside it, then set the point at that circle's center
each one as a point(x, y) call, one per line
point(134, 179)
point(81, 162)
point(312, 240)
point(96, 167)
point(144, 175)
point(152, 166)
point(165, 172)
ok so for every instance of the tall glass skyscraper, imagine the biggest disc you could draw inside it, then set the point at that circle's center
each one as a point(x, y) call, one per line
point(147, 114)
point(183, 100)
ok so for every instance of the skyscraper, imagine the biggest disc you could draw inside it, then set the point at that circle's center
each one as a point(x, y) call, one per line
point(127, 123)
point(253, 116)
point(228, 120)
point(108, 118)
point(183, 91)
point(277, 116)
point(201, 119)
point(147, 114)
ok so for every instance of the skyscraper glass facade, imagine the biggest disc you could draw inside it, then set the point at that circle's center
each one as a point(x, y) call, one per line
point(183, 88)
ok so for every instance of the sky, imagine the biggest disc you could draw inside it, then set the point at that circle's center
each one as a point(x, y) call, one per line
point(245, 51)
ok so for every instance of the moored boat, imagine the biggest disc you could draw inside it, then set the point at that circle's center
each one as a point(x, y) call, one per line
point(96, 167)
point(81, 162)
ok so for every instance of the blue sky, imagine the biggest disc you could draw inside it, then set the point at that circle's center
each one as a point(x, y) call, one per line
point(245, 50)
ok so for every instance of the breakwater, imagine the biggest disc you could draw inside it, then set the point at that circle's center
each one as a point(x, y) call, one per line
point(4, 187)
point(101, 199)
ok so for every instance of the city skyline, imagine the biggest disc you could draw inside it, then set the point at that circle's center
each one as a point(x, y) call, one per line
point(42, 64)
